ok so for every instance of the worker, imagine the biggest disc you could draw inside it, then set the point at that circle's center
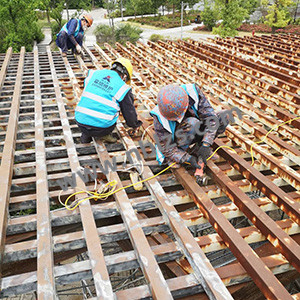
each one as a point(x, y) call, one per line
point(105, 93)
point(184, 117)
point(71, 34)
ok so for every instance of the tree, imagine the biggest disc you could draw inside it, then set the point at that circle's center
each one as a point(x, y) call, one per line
point(232, 15)
point(18, 25)
point(209, 15)
point(278, 14)
point(111, 6)
point(250, 6)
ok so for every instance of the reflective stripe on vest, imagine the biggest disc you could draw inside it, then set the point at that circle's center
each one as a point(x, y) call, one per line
point(168, 125)
point(192, 92)
point(64, 28)
point(90, 74)
point(95, 114)
point(101, 100)
point(99, 103)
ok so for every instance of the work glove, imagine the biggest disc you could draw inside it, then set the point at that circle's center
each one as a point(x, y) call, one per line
point(78, 48)
point(133, 131)
point(194, 162)
point(204, 152)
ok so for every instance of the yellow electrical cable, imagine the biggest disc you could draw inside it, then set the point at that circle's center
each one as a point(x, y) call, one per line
point(113, 191)
point(114, 183)
point(261, 141)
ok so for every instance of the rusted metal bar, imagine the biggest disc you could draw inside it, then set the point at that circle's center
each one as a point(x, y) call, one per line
point(5, 66)
point(285, 172)
point(7, 160)
point(151, 270)
point(272, 191)
point(45, 263)
point(240, 62)
point(275, 89)
point(266, 225)
point(100, 274)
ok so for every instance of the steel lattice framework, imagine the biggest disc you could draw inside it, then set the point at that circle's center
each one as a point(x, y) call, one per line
point(172, 238)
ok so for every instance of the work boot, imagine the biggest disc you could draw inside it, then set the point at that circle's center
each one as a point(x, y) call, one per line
point(64, 54)
point(108, 139)
point(85, 139)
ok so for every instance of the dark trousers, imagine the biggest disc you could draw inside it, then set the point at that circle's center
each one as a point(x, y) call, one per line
point(63, 41)
point(90, 131)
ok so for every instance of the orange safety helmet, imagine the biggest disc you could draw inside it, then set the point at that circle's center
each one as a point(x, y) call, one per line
point(88, 18)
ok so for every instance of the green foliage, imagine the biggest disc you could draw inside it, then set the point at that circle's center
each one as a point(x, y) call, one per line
point(209, 17)
point(278, 13)
point(156, 37)
point(126, 33)
point(55, 28)
point(104, 34)
point(122, 34)
point(232, 14)
point(18, 25)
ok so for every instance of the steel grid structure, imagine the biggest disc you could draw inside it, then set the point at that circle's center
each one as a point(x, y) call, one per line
point(139, 243)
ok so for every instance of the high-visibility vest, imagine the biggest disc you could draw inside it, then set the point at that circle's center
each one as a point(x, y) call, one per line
point(99, 103)
point(64, 28)
point(170, 126)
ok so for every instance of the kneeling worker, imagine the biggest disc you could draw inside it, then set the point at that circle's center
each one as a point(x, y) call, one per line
point(184, 117)
point(71, 34)
point(106, 92)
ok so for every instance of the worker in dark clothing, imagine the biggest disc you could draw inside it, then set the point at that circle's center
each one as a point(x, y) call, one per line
point(71, 34)
point(106, 92)
point(184, 117)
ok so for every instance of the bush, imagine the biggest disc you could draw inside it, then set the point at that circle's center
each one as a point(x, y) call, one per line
point(126, 33)
point(55, 28)
point(156, 37)
point(122, 34)
point(256, 27)
point(104, 34)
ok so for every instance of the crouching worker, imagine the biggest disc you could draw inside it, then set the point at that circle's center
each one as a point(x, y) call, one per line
point(71, 34)
point(105, 93)
point(184, 117)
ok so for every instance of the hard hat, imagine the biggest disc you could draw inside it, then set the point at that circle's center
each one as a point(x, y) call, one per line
point(126, 67)
point(172, 102)
point(88, 18)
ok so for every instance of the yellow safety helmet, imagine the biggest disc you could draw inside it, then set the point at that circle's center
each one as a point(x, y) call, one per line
point(126, 64)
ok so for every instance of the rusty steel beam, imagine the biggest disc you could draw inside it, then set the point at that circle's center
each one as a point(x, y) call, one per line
point(7, 160)
point(287, 246)
point(151, 270)
point(243, 64)
point(231, 274)
point(288, 174)
point(269, 86)
point(5, 66)
point(100, 274)
point(45, 263)
point(260, 43)
point(260, 55)
point(268, 188)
